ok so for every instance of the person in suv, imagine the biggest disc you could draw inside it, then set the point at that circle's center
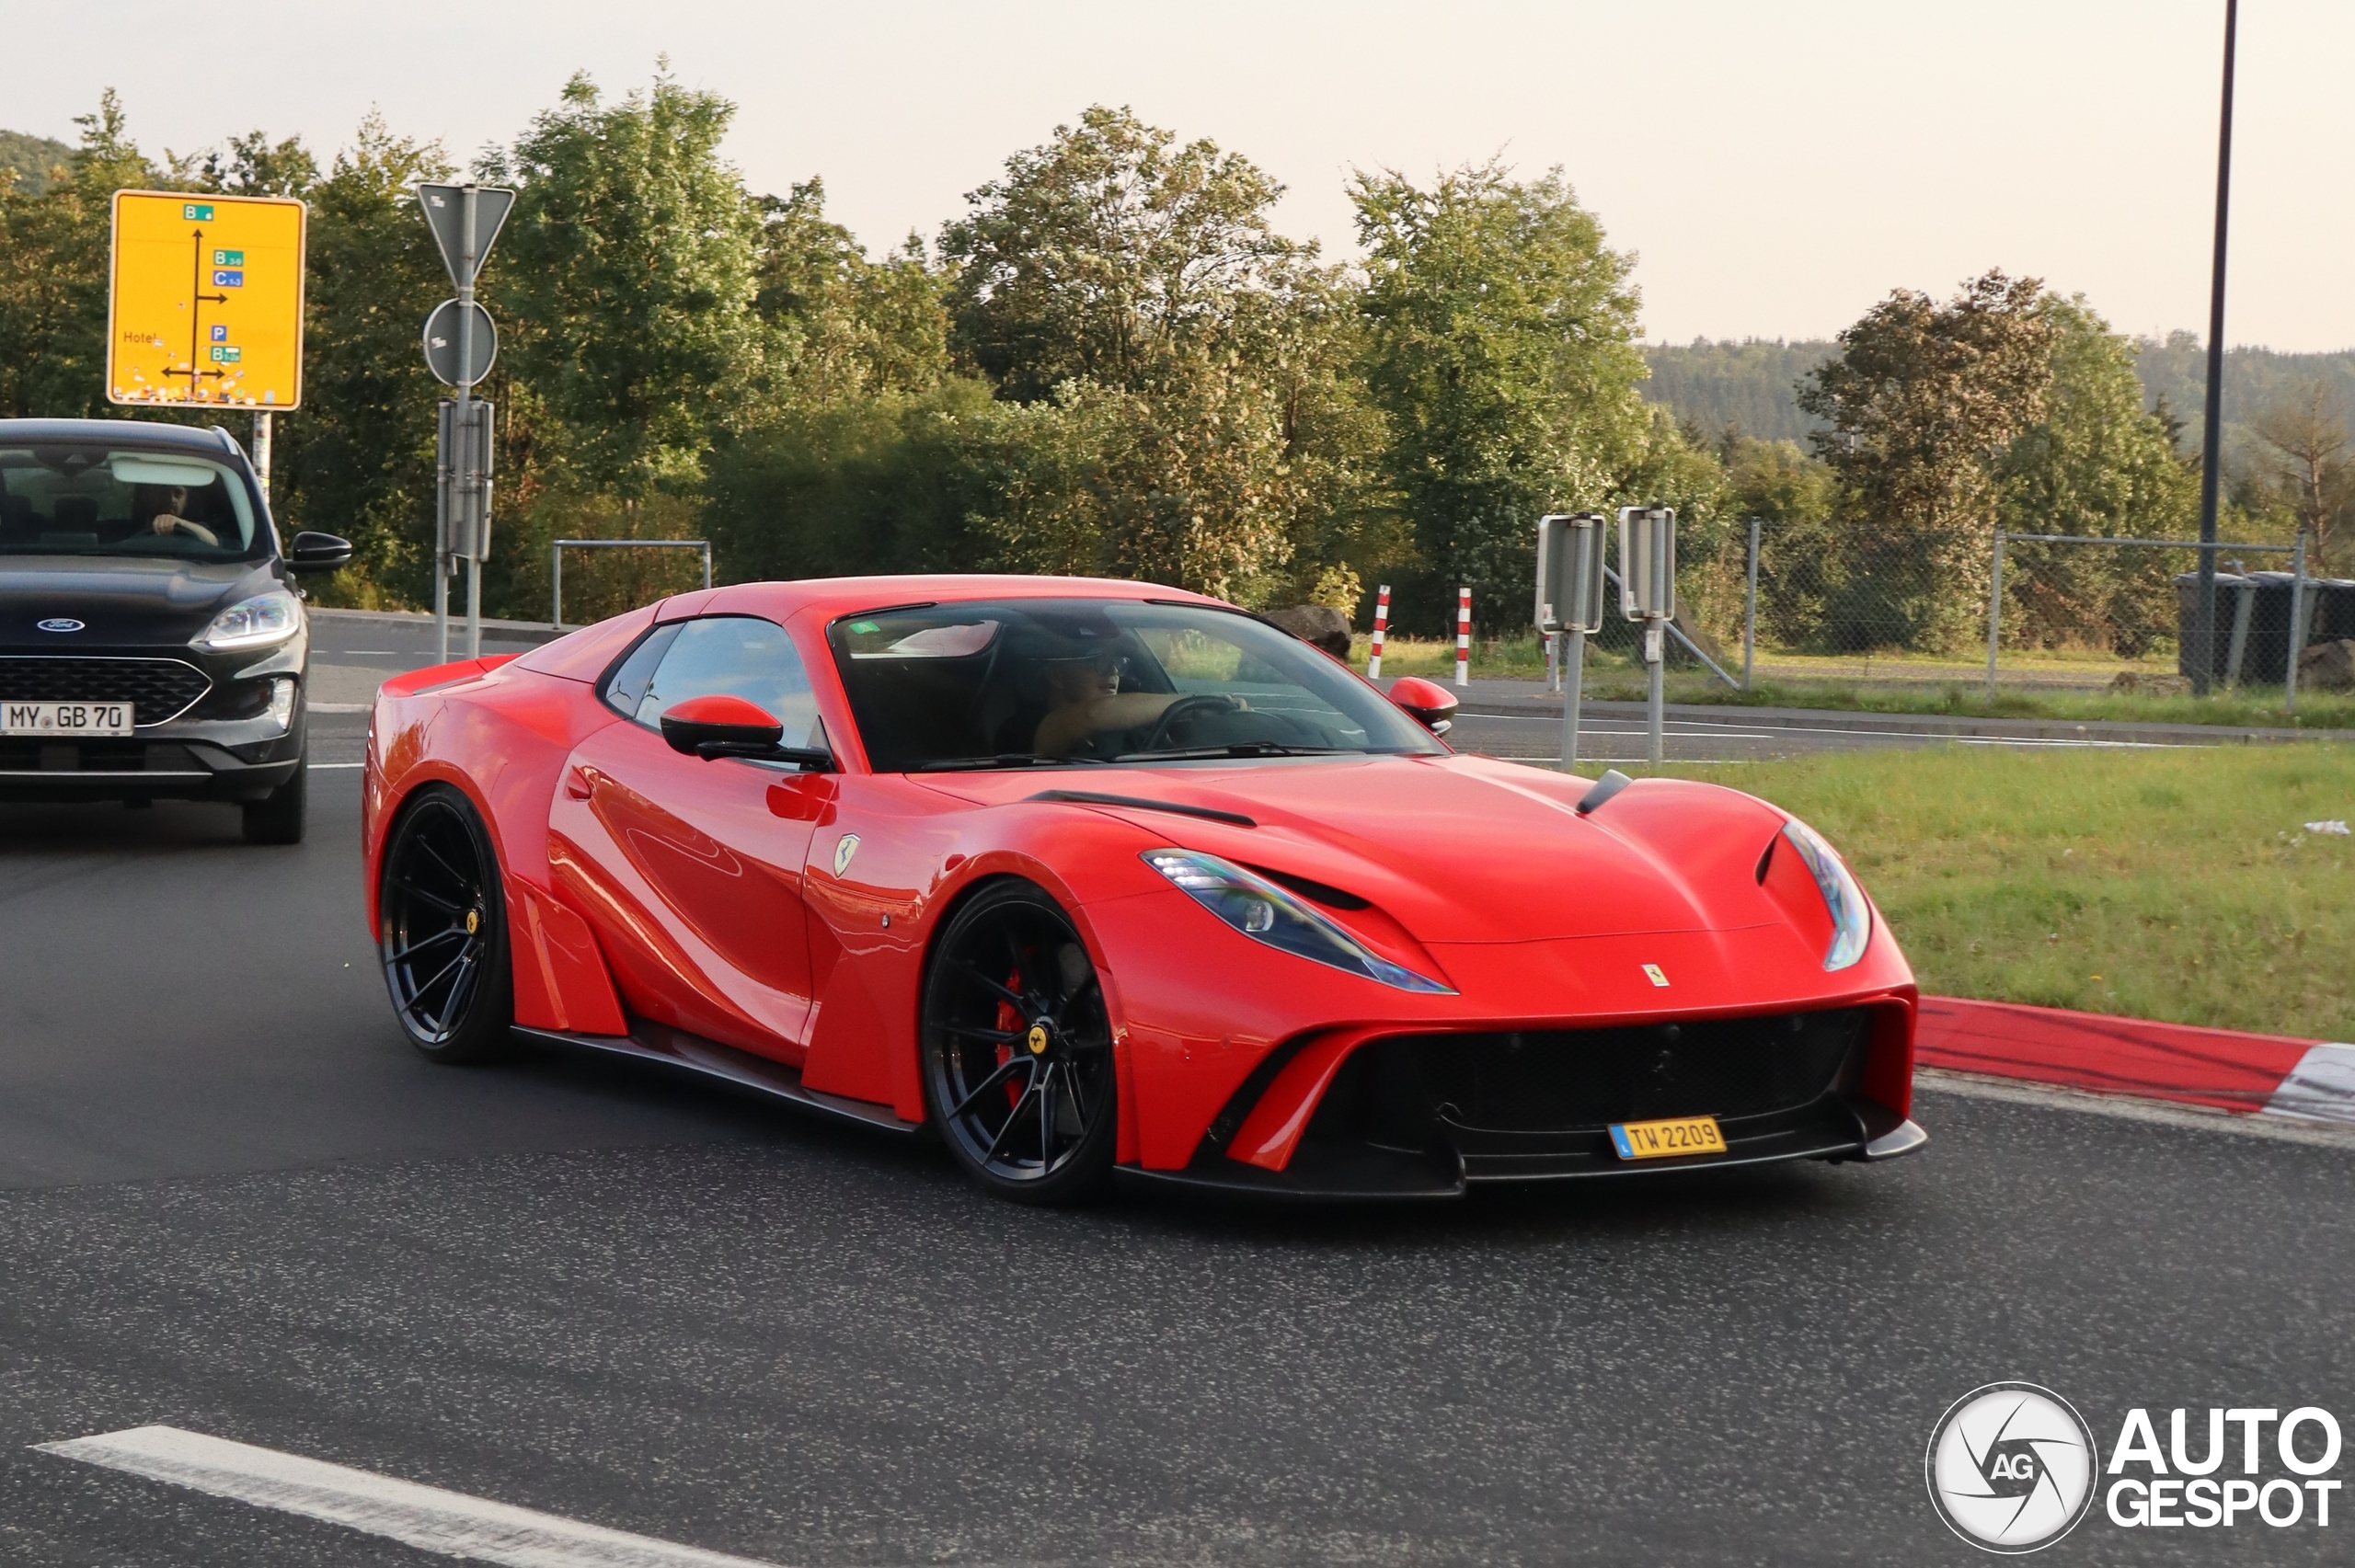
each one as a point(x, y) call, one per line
point(153, 641)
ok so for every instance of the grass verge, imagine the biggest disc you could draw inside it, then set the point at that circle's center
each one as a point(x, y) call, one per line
point(2172, 885)
point(1612, 678)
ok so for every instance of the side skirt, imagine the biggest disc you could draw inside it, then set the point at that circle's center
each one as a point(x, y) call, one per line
point(677, 1049)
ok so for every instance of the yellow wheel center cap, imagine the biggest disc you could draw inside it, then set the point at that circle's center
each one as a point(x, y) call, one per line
point(1037, 1039)
point(473, 918)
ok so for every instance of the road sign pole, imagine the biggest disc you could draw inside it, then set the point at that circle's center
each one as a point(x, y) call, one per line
point(469, 265)
point(262, 451)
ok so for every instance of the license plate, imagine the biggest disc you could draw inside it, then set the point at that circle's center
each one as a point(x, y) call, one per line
point(65, 718)
point(1666, 1139)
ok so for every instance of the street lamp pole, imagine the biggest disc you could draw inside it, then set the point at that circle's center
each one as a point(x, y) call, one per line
point(2212, 439)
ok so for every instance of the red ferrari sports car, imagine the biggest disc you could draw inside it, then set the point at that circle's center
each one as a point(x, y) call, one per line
point(1100, 879)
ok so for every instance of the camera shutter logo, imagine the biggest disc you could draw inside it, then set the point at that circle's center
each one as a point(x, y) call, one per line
point(2011, 1468)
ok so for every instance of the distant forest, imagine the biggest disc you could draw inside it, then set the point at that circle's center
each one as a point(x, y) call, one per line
point(1750, 383)
point(28, 159)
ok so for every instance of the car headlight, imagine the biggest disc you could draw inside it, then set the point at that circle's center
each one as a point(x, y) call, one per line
point(1265, 912)
point(264, 619)
point(1852, 918)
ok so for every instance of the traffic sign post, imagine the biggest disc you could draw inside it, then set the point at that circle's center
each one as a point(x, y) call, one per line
point(1569, 602)
point(460, 342)
point(1648, 595)
point(204, 305)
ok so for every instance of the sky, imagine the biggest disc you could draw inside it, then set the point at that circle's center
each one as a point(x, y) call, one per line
point(1775, 166)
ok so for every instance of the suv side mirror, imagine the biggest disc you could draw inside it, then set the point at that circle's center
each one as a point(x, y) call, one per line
point(717, 726)
point(318, 551)
point(1431, 704)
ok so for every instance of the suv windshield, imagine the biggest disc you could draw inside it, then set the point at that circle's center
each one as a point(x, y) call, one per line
point(1023, 682)
point(88, 498)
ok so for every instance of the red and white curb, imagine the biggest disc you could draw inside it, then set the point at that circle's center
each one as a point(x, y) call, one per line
point(2226, 1070)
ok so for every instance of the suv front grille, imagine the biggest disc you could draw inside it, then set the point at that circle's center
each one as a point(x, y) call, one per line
point(158, 689)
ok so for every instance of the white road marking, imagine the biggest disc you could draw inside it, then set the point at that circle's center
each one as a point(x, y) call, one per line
point(336, 707)
point(314, 766)
point(449, 1523)
point(2127, 1107)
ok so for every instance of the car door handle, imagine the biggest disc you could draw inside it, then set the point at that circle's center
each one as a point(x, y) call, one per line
point(577, 783)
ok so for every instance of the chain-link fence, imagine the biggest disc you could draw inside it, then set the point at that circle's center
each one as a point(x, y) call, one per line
point(1786, 607)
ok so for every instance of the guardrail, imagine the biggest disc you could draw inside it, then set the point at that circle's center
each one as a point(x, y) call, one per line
point(556, 561)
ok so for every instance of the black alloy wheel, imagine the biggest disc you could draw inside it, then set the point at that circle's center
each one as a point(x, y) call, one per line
point(443, 927)
point(1017, 1049)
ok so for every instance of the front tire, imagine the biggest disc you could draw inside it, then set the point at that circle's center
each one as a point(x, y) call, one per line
point(441, 922)
point(1017, 1049)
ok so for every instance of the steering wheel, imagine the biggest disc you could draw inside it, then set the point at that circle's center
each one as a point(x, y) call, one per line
point(1185, 708)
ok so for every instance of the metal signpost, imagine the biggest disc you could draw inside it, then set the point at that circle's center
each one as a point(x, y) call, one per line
point(1570, 602)
point(460, 343)
point(1648, 595)
point(204, 305)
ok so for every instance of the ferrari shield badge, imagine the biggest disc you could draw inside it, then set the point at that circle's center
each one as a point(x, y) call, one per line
point(844, 847)
point(1653, 973)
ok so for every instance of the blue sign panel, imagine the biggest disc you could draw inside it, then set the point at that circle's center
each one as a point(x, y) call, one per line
point(228, 278)
point(220, 334)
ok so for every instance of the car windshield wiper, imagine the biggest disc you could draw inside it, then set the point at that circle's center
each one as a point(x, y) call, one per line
point(1005, 760)
point(1240, 748)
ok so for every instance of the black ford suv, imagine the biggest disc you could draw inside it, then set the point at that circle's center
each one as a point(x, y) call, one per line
point(153, 643)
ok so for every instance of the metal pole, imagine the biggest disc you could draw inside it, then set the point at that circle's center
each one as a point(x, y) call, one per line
point(1573, 681)
point(2297, 625)
point(1655, 658)
point(706, 563)
point(470, 480)
point(555, 571)
point(1995, 610)
point(1749, 610)
point(2211, 440)
point(261, 449)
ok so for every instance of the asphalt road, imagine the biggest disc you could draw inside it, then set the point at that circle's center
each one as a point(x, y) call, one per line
point(233, 1202)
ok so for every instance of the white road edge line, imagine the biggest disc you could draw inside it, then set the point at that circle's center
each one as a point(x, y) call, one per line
point(2277, 1128)
point(449, 1523)
point(314, 766)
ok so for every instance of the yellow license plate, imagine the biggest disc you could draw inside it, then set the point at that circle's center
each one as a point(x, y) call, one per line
point(1668, 1139)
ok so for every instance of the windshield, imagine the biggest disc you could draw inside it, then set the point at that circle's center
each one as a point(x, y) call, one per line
point(98, 500)
point(1026, 683)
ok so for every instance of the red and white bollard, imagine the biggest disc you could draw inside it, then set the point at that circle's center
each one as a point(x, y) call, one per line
point(1380, 624)
point(1464, 636)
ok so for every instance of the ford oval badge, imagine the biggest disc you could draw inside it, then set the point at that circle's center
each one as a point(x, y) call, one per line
point(58, 623)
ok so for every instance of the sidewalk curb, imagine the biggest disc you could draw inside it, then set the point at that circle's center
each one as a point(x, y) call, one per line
point(2223, 1068)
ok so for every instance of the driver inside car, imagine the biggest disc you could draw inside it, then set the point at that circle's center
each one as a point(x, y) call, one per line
point(1085, 698)
point(155, 508)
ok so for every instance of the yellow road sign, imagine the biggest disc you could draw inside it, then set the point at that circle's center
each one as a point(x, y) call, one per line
point(205, 304)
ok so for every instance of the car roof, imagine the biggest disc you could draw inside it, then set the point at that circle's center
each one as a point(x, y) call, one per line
point(212, 441)
point(833, 597)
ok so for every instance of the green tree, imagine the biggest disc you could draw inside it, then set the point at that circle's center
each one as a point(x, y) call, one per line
point(1109, 250)
point(53, 272)
point(625, 279)
point(2097, 465)
point(1501, 349)
point(841, 326)
point(357, 458)
point(1920, 401)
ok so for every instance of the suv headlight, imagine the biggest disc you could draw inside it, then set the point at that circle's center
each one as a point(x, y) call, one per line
point(264, 619)
point(1265, 912)
point(1852, 918)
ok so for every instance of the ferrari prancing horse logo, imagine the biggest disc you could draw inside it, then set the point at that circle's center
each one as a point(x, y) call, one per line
point(844, 847)
point(1652, 972)
point(1037, 1039)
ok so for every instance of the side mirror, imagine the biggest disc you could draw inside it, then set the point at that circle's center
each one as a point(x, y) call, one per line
point(717, 727)
point(318, 551)
point(1431, 704)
